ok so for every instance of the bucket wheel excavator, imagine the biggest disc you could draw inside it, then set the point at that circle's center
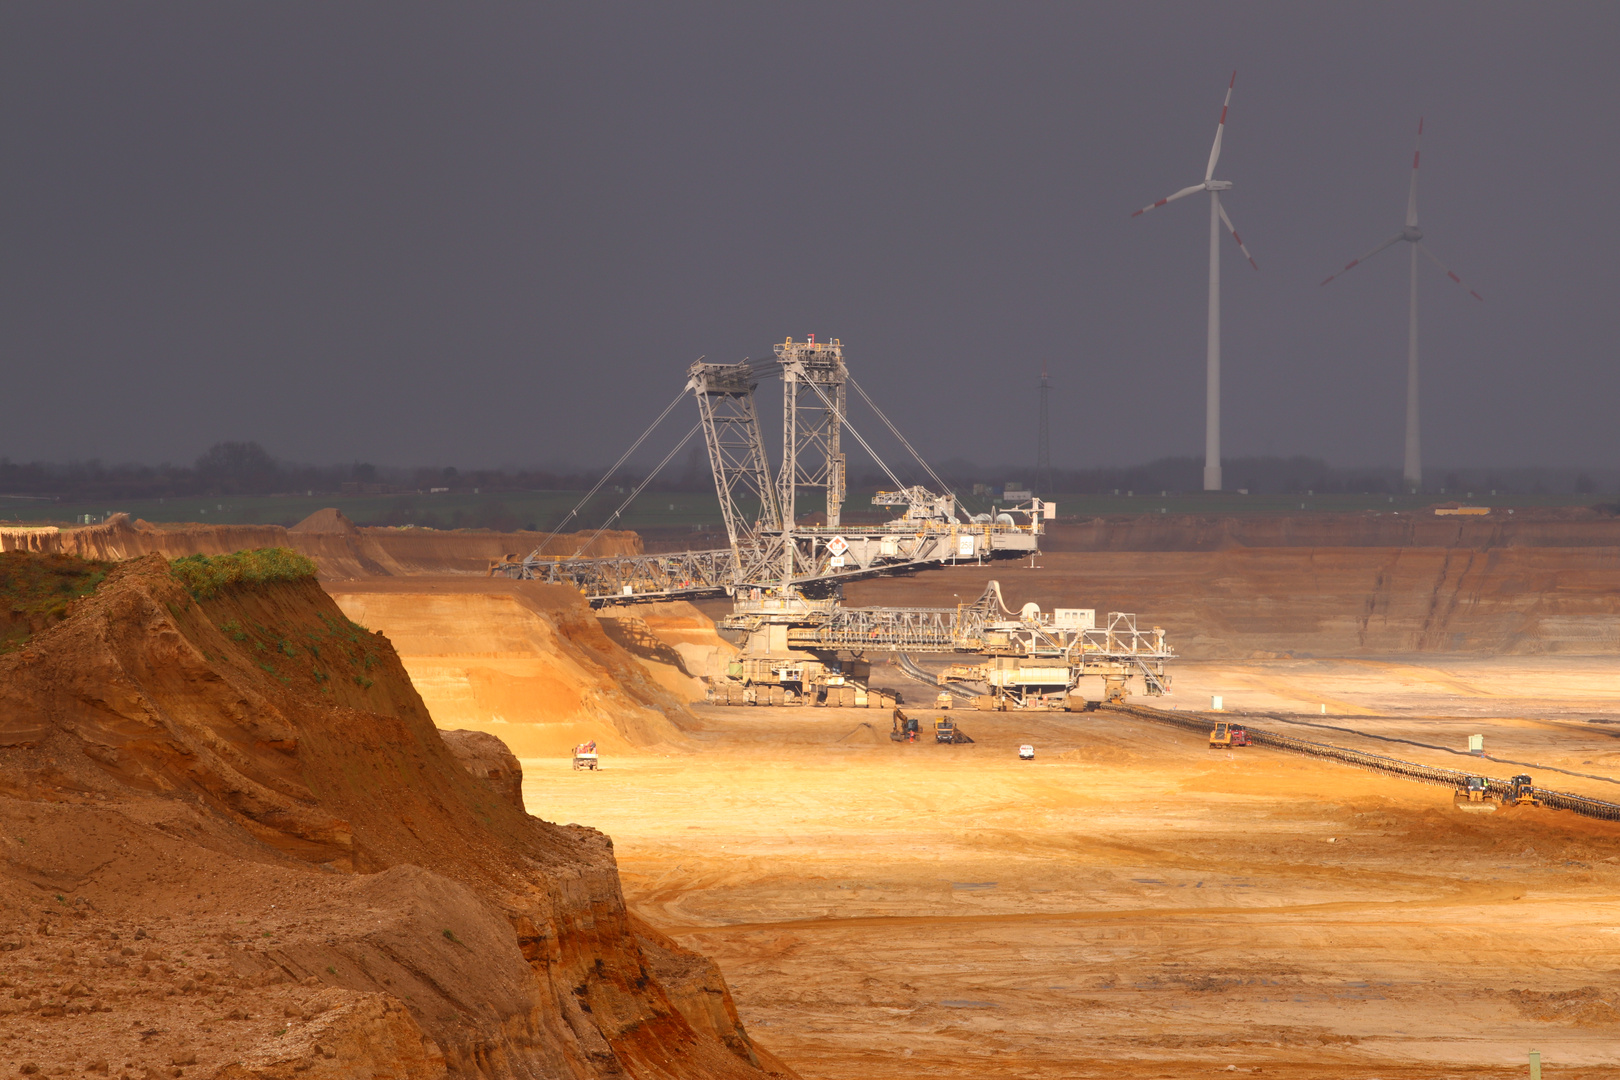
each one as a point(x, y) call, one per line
point(814, 649)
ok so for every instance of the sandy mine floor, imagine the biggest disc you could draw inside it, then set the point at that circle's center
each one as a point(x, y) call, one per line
point(1132, 903)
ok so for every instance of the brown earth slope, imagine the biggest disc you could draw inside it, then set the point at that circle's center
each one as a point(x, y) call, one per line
point(526, 661)
point(234, 845)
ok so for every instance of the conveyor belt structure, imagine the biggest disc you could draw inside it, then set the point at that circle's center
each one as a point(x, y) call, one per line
point(1361, 759)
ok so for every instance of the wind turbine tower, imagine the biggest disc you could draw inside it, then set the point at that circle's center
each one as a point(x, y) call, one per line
point(1043, 444)
point(1412, 465)
point(1212, 373)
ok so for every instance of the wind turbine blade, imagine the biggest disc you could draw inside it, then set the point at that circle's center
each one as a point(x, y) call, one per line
point(1168, 199)
point(1411, 194)
point(1356, 262)
point(1448, 273)
point(1235, 236)
point(1220, 129)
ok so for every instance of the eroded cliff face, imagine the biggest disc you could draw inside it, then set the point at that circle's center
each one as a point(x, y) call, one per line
point(235, 823)
point(486, 757)
point(529, 662)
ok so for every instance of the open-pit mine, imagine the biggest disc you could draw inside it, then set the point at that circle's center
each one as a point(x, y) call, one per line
point(256, 823)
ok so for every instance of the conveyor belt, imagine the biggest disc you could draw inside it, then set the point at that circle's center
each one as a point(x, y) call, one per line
point(1408, 770)
point(916, 671)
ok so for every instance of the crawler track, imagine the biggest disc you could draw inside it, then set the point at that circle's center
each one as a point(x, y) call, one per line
point(1408, 770)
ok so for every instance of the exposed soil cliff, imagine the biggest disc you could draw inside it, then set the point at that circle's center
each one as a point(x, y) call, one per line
point(526, 661)
point(486, 757)
point(675, 641)
point(235, 845)
point(343, 550)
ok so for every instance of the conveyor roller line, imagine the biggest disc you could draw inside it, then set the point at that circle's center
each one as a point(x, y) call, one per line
point(911, 669)
point(914, 670)
point(1408, 770)
point(1538, 766)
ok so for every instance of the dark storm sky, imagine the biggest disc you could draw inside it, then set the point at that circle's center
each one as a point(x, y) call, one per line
point(496, 234)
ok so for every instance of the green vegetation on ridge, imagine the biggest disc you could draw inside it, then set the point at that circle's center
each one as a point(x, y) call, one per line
point(291, 653)
point(35, 591)
point(204, 576)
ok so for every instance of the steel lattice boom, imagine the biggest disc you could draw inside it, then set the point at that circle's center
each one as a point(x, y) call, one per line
point(769, 549)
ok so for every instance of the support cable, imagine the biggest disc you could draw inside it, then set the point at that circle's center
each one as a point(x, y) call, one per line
point(943, 486)
point(697, 427)
point(608, 475)
point(843, 418)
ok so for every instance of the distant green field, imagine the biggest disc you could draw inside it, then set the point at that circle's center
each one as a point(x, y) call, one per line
point(544, 510)
point(501, 510)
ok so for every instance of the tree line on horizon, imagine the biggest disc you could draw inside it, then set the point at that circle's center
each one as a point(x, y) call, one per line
point(246, 468)
point(1297, 475)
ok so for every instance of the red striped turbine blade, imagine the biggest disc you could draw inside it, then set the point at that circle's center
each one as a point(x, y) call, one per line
point(1356, 262)
point(1449, 273)
point(1220, 130)
point(1167, 199)
point(1235, 236)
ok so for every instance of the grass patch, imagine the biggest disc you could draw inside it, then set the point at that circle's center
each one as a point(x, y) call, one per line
point(35, 591)
point(206, 576)
point(333, 651)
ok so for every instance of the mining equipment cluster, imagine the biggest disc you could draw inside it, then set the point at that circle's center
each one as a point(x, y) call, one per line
point(799, 651)
point(1479, 794)
point(1520, 790)
point(799, 645)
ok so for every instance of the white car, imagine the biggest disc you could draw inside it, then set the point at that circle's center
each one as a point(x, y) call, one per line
point(1026, 753)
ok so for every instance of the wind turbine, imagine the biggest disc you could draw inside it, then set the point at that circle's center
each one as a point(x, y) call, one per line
point(1412, 467)
point(1217, 215)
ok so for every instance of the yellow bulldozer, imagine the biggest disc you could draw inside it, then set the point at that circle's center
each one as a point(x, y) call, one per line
point(1225, 736)
point(1521, 792)
point(1475, 794)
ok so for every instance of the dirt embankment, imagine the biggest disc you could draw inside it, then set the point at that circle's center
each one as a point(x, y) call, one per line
point(673, 640)
point(1279, 602)
point(1531, 527)
point(235, 845)
point(526, 661)
point(343, 550)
